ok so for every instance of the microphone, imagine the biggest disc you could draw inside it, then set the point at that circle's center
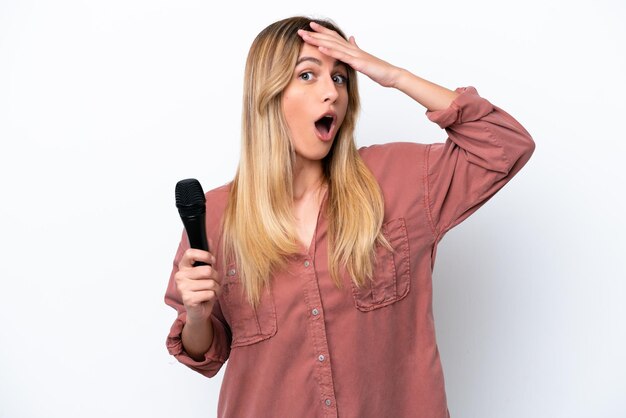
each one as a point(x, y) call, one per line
point(191, 205)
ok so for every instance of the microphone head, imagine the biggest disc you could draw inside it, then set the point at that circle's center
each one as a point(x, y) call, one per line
point(190, 199)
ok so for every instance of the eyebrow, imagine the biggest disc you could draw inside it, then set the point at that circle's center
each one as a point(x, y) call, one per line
point(318, 62)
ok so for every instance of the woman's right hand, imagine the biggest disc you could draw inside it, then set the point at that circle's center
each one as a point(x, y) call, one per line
point(199, 286)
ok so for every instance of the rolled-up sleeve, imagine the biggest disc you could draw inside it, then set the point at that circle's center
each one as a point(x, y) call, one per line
point(219, 350)
point(485, 148)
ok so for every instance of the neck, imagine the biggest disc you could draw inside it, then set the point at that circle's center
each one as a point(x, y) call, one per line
point(308, 178)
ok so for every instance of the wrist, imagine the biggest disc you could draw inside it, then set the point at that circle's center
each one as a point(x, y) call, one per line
point(194, 322)
point(399, 75)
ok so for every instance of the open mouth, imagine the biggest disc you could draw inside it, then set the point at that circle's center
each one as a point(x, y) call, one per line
point(324, 126)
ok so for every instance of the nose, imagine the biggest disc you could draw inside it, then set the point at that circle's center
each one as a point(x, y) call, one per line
point(329, 92)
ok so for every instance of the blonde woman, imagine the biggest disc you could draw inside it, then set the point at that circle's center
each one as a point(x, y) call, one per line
point(319, 288)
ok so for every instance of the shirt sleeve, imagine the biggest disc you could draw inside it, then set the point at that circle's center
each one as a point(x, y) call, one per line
point(219, 350)
point(485, 148)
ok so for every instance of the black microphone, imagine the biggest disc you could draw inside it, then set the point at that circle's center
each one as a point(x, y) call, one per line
point(191, 205)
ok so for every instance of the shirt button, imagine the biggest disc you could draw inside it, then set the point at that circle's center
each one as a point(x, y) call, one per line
point(321, 357)
point(307, 263)
point(327, 402)
point(315, 312)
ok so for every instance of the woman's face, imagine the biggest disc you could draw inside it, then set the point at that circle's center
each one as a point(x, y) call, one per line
point(314, 103)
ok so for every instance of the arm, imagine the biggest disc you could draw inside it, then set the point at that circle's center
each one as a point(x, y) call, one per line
point(198, 288)
point(485, 148)
point(199, 337)
point(428, 94)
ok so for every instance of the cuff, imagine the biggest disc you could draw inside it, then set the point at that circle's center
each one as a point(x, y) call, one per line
point(217, 352)
point(466, 107)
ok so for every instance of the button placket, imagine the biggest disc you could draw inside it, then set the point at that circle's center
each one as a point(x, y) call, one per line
point(322, 367)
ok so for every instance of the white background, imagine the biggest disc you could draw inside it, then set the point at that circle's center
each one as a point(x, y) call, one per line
point(105, 105)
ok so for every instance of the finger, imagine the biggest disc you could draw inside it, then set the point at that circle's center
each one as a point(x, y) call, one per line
point(345, 57)
point(323, 29)
point(321, 32)
point(199, 273)
point(320, 28)
point(185, 279)
point(193, 255)
point(203, 285)
point(315, 38)
point(335, 43)
point(197, 298)
point(187, 288)
point(334, 50)
point(335, 46)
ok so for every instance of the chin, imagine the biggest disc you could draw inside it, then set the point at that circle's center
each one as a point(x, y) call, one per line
point(314, 156)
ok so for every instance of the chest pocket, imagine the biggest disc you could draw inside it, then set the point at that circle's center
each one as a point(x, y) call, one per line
point(248, 325)
point(391, 281)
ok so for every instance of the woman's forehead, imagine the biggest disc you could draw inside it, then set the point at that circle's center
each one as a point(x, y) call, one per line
point(310, 53)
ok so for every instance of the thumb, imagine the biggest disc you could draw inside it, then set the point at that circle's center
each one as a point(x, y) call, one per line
point(353, 41)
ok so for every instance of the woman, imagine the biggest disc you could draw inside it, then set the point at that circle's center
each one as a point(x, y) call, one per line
point(319, 294)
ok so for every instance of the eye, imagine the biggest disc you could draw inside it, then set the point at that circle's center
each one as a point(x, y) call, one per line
point(306, 76)
point(340, 79)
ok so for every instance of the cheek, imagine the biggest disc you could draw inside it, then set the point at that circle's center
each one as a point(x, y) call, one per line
point(287, 107)
point(293, 110)
point(344, 111)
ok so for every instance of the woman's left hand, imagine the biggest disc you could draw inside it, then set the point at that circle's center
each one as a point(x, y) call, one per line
point(332, 44)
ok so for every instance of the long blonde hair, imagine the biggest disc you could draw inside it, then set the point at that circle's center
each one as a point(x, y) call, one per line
point(259, 227)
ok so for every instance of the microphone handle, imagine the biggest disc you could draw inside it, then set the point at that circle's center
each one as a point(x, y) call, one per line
point(196, 232)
